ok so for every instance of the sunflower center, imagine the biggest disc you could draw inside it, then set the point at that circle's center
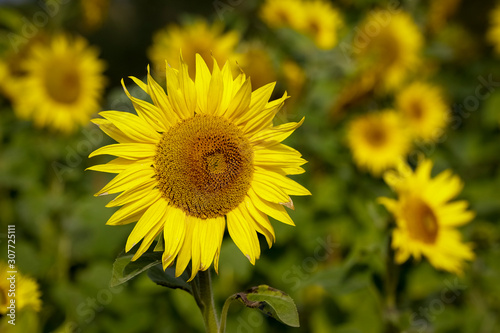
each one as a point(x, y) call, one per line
point(63, 83)
point(416, 111)
point(422, 222)
point(204, 166)
point(376, 136)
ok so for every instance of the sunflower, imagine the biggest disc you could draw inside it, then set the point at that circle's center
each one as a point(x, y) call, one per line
point(294, 77)
point(316, 19)
point(440, 12)
point(202, 155)
point(424, 110)
point(65, 82)
point(320, 21)
point(425, 217)
point(493, 34)
point(196, 37)
point(387, 45)
point(378, 140)
point(94, 12)
point(282, 13)
point(27, 293)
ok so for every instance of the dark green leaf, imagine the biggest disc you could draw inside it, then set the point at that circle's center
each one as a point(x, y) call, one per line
point(272, 302)
point(124, 269)
point(167, 278)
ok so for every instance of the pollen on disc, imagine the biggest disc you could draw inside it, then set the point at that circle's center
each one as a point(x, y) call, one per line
point(204, 166)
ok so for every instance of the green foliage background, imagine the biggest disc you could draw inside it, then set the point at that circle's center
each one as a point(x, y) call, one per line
point(333, 263)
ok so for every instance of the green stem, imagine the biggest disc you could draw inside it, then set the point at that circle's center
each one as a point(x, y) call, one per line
point(391, 283)
point(223, 316)
point(202, 292)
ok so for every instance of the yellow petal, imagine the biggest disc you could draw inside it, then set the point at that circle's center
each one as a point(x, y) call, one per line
point(202, 82)
point(111, 130)
point(132, 126)
point(289, 186)
point(173, 234)
point(130, 151)
point(114, 166)
point(276, 133)
point(152, 216)
point(132, 176)
point(276, 211)
point(243, 234)
point(133, 208)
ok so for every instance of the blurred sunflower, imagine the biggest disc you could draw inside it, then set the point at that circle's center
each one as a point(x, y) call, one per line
point(27, 291)
point(65, 82)
point(202, 154)
point(320, 21)
point(423, 109)
point(256, 62)
point(196, 37)
point(294, 77)
point(378, 141)
point(425, 217)
point(11, 61)
point(316, 19)
point(494, 31)
point(387, 46)
point(439, 12)
point(282, 13)
point(94, 12)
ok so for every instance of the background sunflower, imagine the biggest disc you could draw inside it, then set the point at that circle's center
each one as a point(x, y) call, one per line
point(338, 262)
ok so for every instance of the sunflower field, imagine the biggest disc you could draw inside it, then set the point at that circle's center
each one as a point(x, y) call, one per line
point(249, 166)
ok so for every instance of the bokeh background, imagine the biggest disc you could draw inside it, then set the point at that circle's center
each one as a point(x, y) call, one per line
point(336, 262)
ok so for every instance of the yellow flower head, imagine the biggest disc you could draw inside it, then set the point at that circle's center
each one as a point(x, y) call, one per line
point(316, 19)
point(320, 21)
point(197, 37)
point(423, 109)
point(378, 141)
point(201, 155)
point(387, 46)
point(494, 31)
point(62, 85)
point(282, 13)
point(425, 217)
point(27, 293)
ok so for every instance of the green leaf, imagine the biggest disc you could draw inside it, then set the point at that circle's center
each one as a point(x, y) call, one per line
point(272, 302)
point(166, 278)
point(125, 269)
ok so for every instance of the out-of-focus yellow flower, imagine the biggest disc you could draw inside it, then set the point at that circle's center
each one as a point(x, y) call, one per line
point(388, 46)
point(11, 60)
point(25, 293)
point(62, 85)
point(425, 217)
point(295, 78)
point(282, 13)
point(378, 141)
point(203, 155)
point(316, 19)
point(423, 109)
point(257, 64)
point(439, 12)
point(94, 12)
point(320, 21)
point(192, 38)
point(494, 31)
